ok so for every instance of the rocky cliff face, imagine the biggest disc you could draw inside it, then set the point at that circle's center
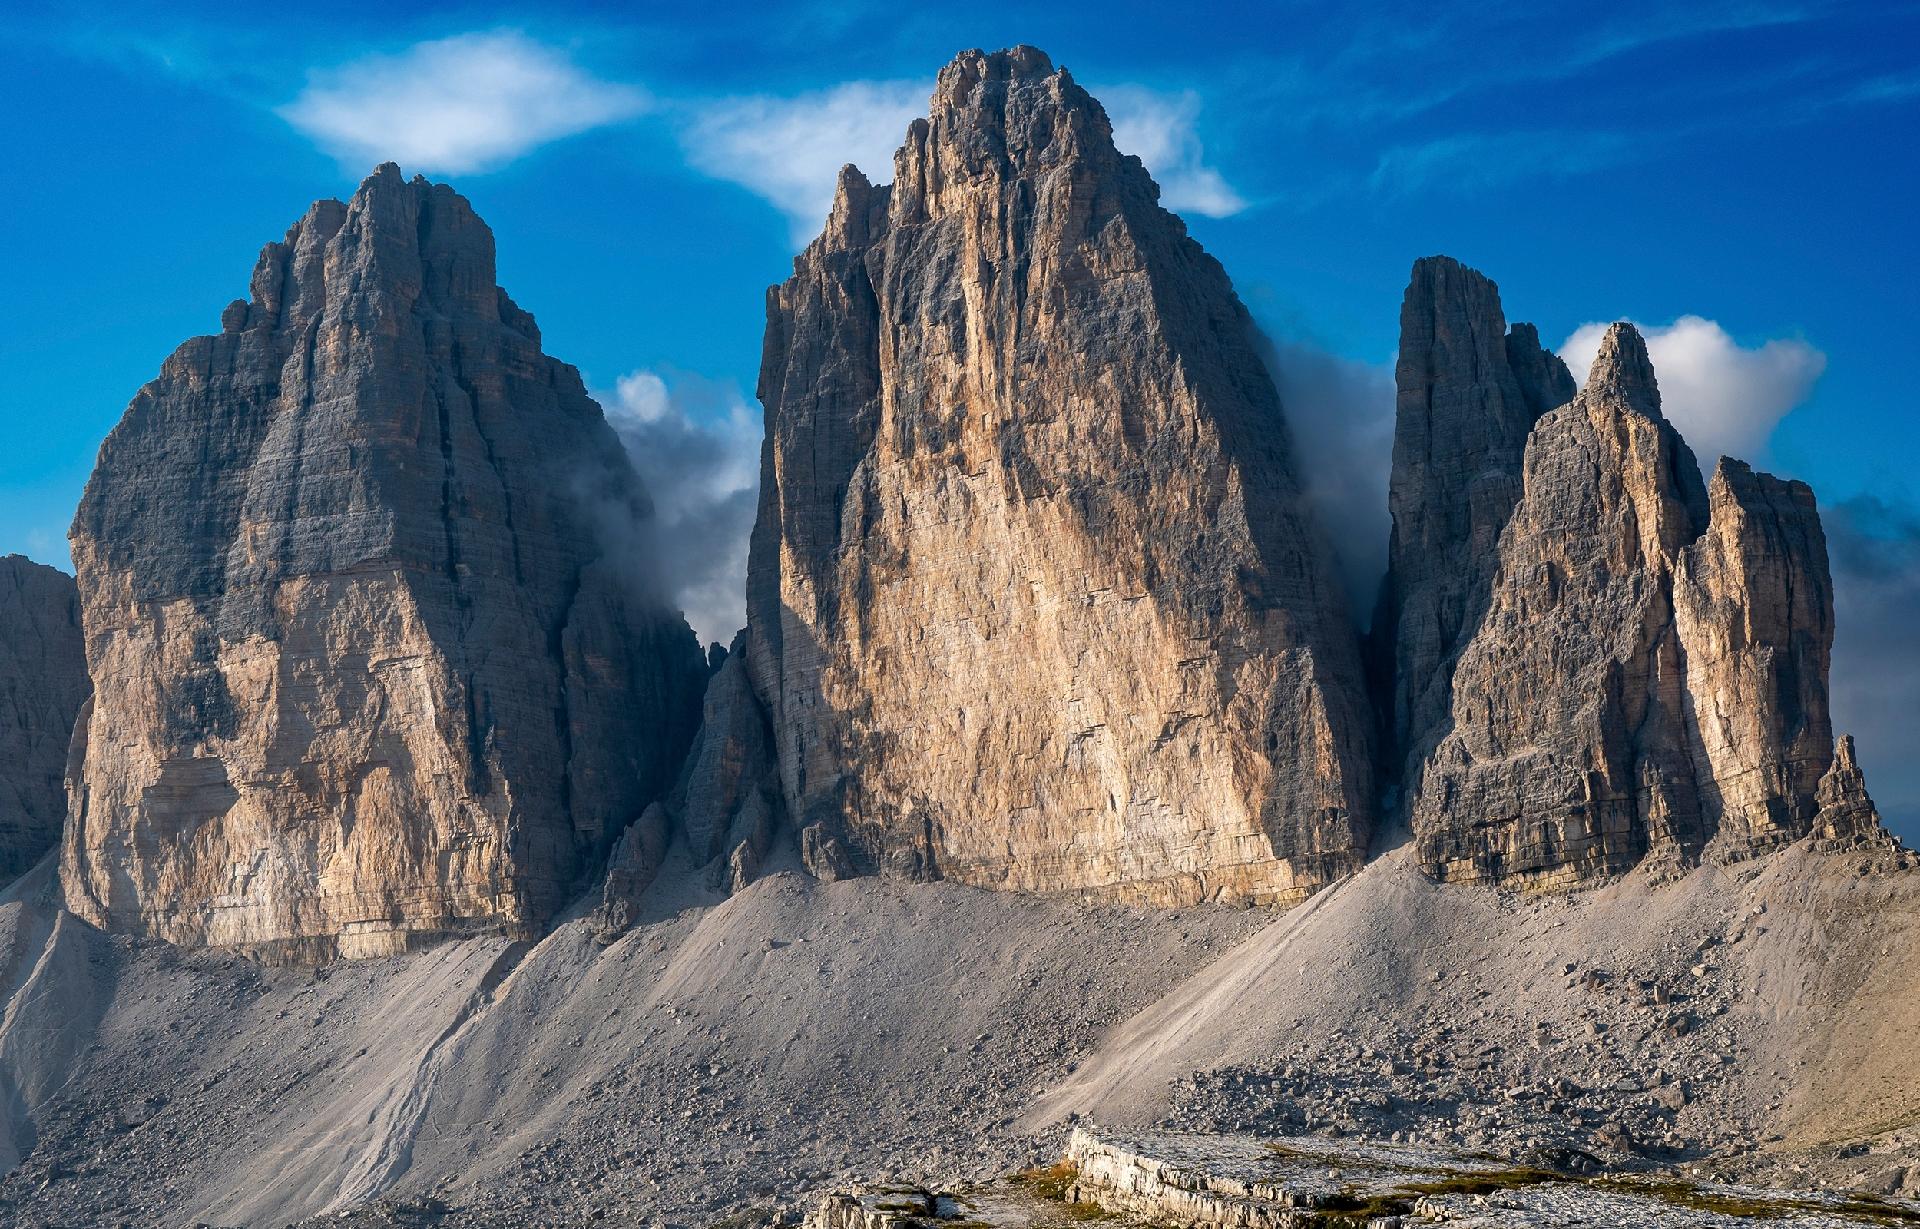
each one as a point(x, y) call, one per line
point(1753, 607)
point(726, 804)
point(43, 683)
point(1468, 394)
point(1649, 674)
point(367, 663)
point(1847, 818)
point(1033, 603)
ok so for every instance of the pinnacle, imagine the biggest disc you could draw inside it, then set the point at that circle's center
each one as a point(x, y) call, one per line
point(1622, 369)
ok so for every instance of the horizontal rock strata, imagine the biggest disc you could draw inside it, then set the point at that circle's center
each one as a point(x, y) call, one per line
point(1240, 1182)
point(371, 659)
point(1847, 818)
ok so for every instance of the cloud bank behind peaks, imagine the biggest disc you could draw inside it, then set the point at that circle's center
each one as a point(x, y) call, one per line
point(1339, 414)
point(789, 150)
point(696, 445)
point(455, 105)
point(1724, 398)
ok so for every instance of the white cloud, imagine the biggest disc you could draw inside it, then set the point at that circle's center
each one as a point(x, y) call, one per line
point(461, 104)
point(1162, 130)
point(1473, 162)
point(1724, 398)
point(790, 150)
point(696, 445)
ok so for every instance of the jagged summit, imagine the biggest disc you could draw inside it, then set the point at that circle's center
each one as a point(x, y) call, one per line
point(1469, 391)
point(1032, 601)
point(1646, 672)
point(354, 574)
point(1002, 114)
point(1623, 371)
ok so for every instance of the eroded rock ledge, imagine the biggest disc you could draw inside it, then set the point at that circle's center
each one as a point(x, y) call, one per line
point(1242, 1182)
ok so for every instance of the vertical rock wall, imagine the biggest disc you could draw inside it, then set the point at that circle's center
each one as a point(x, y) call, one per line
point(371, 656)
point(43, 683)
point(1649, 674)
point(1468, 394)
point(1034, 604)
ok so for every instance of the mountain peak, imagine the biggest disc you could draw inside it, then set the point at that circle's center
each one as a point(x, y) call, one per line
point(1623, 369)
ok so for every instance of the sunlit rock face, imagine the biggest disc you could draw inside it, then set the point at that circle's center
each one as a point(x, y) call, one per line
point(1033, 600)
point(372, 651)
point(1649, 676)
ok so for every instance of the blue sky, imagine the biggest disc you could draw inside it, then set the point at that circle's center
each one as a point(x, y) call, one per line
point(1739, 178)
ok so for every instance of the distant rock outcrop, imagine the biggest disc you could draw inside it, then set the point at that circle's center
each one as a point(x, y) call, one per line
point(43, 683)
point(1649, 674)
point(368, 661)
point(1847, 818)
point(1468, 394)
point(1033, 601)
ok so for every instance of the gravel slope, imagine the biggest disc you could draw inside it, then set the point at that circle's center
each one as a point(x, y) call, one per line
point(745, 1052)
point(721, 1053)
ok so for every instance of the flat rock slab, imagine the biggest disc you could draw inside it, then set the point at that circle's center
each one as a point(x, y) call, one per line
point(1250, 1183)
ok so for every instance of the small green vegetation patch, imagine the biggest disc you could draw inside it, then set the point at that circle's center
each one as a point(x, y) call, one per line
point(1053, 1182)
point(1354, 1209)
point(1482, 1182)
point(1861, 1207)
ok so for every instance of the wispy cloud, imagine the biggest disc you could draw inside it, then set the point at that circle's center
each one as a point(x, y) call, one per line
point(1725, 398)
point(696, 445)
point(1340, 416)
point(1162, 130)
point(790, 150)
point(1477, 161)
point(455, 105)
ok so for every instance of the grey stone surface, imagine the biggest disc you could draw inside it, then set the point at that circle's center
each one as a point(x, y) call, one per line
point(1847, 818)
point(1033, 599)
point(43, 683)
point(1649, 675)
point(1468, 393)
point(373, 647)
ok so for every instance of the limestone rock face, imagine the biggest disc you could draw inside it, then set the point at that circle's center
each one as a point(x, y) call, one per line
point(370, 658)
point(727, 801)
point(1753, 605)
point(1847, 818)
point(1468, 394)
point(43, 683)
point(1649, 675)
point(1032, 598)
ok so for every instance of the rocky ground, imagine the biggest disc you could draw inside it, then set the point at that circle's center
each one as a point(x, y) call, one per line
point(737, 1058)
point(721, 1056)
